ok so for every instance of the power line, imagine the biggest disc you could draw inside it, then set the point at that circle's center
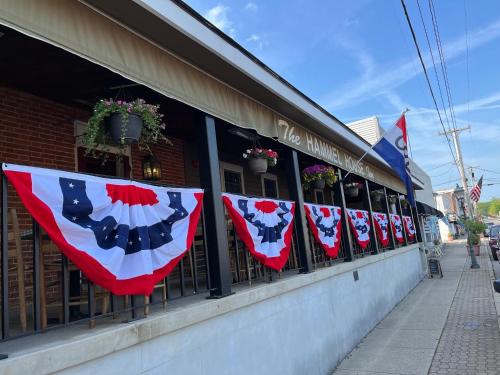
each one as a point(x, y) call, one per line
point(467, 58)
point(433, 64)
point(427, 77)
point(444, 69)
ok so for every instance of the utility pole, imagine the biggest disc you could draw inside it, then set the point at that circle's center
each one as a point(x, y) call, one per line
point(456, 140)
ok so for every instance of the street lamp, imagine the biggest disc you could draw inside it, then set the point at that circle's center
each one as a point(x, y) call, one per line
point(459, 194)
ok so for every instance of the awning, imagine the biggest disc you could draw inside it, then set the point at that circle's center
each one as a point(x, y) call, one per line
point(425, 209)
point(86, 32)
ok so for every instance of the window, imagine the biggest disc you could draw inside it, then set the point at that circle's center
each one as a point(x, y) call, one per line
point(232, 178)
point(269, 185)
point(319, 196)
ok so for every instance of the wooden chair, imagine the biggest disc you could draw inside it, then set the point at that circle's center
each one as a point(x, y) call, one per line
point(16, 252)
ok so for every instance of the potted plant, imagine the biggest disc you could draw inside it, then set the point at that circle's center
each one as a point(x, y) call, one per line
point(352, 188)
point(377, 195)
point(259, 159)
point(404, 202)
point(318, 176)
point(120, 123)
point(475, 228)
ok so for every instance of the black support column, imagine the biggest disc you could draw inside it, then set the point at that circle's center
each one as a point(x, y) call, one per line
point(392, 240)
point(215, 225)
point(400, 213)
point(367, 202)
point(338, 193)
point(296, 195)
point(416, 223)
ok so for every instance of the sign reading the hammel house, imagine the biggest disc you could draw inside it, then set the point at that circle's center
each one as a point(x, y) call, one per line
point(303, 140)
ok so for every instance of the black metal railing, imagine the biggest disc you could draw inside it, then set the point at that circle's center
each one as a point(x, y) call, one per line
point(359, 252)
point(43, 290)
point(245, 269)
point(320, 258)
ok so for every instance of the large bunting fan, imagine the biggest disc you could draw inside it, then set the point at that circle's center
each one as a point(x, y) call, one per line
point(397, 228)
point(125, 236)
point(410, 228)
point(326, 225)
point(360, 224)
point(381, 226)
point(264, 225)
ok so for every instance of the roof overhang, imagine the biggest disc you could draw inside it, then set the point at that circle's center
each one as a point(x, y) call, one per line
point(181, 31)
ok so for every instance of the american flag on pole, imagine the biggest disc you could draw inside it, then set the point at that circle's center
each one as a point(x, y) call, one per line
point(475, 193)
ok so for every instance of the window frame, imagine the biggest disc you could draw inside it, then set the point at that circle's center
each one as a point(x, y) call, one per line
point(272, 177)
point(224, 166)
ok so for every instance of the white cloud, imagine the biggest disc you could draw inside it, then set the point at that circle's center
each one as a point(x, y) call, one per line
point(218, 16)
point(253, 38)
point(363, 89)
point(252, 7)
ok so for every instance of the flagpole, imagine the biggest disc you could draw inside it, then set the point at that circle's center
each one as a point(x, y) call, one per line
point(367, 151)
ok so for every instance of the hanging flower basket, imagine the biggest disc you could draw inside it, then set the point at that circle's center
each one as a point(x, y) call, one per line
point(119, 124)
point(130, 128)
point(318, 176)
point(257, 166)
point(259, 159)
point(377, 195)
point(352, 189)
point(319, 184)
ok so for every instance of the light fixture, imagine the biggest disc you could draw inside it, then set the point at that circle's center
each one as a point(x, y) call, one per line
point(245, 134)
point(151, 168)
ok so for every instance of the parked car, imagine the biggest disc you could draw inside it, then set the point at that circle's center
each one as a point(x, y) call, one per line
point(487, 230)
point(494, 240)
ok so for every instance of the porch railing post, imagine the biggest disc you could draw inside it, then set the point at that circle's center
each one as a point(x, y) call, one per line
point(416, 223)
point(367, 202)
point(392, 241)
point(296, 194)
point(215, 226)
point(5, 259)
point(338, 192)
point(400, 213)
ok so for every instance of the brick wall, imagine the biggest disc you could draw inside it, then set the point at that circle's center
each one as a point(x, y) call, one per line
point(39, 132)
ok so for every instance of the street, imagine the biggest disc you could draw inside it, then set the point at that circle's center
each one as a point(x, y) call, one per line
point(444, 326)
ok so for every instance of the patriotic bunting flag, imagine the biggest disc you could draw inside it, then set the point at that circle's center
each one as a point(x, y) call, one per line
point(381, 226)
point(124, 236)
point(360, 224)
point(326, 226)
point(410, 228)
point(264, 225)
point(397, 228)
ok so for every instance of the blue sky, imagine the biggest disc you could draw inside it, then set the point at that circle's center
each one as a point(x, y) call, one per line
point(357, 59)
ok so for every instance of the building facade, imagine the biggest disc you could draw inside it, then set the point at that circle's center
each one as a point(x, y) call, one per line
point(218, 100)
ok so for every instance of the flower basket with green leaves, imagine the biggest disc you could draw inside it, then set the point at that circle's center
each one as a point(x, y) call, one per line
point(318, 175)
point(259, 159)
point(475, 228)
point(352, 189)
point(120, 123)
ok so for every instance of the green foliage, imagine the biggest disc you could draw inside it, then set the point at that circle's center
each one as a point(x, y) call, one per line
point(474, 239)
point(318, 172)
point(490, 208)
point(475, 227)
point(96, 135)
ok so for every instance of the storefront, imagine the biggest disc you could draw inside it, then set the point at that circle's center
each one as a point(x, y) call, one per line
point(66, 56)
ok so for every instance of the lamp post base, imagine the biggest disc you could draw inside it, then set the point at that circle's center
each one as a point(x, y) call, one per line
point(473, 260)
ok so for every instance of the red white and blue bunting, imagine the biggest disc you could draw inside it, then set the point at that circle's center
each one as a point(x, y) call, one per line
point(382, 227)
point(360, 224)
point(326, 226)
point(397, 228)
point(410, 228)
point(264, 225)
point(124, 236)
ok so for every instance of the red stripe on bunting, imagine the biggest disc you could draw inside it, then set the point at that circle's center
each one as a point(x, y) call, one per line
point(331, 251)
point(239, 222)
point(90, 267)
point(380, 234)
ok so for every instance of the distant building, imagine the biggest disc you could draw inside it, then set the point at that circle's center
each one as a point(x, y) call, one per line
point(447, 202)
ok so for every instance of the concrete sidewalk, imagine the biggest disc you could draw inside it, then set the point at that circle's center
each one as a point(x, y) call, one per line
point(427, 327)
